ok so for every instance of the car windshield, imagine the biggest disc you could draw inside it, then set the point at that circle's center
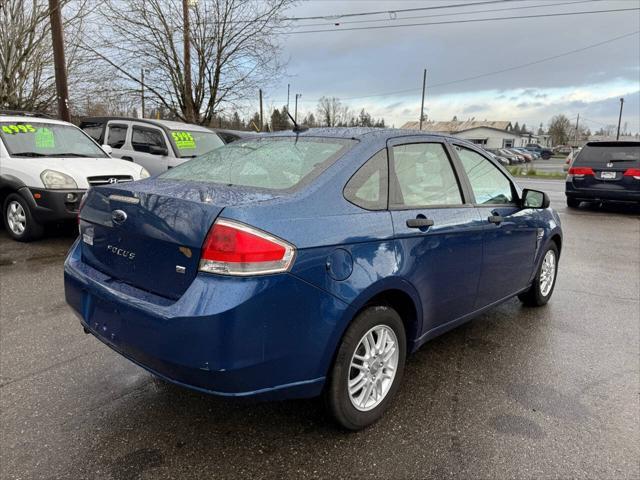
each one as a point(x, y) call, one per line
point(607, 152)
point(41, 139)
point(191, 143)
point(270, 163)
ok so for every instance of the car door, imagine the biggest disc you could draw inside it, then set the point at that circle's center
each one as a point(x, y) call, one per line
point(510, 237)
point(150, 148)
point(438, 232)
point(115, 136)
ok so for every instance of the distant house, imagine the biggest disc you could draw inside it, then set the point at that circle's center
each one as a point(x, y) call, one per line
point(489, 134)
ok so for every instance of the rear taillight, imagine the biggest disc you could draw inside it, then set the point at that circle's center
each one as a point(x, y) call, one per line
point(233, 248)
point(633, 172)
point(580, 171)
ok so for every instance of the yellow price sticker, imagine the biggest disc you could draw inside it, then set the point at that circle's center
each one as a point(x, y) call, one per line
point(184, 140)
point(18, 128)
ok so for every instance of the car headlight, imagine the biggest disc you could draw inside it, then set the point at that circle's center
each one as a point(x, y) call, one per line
point(144, 173)
point(53, 179)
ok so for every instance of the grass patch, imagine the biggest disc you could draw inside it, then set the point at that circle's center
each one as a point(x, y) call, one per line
point(523, 171)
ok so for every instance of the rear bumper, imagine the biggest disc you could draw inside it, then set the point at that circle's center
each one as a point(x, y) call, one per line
point(52, 205)
point(271, 337)
point(592, 194)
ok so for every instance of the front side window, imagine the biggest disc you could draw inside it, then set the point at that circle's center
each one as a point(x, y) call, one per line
point(424, 177)
point(117, 136)
point(283, 163)
point(145, 139)
point(490, 186)
point(369, 185)
point(41, 139)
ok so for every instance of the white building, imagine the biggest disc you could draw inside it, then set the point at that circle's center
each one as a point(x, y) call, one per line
point(489, 134)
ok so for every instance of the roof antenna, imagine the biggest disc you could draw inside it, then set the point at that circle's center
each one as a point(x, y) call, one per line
point(297, 128)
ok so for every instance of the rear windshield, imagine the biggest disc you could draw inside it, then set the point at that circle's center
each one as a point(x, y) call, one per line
point(615, 153)
point(191, 143)
point(283, 163)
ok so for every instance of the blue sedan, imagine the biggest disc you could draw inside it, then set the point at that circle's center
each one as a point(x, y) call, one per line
point(307, 262)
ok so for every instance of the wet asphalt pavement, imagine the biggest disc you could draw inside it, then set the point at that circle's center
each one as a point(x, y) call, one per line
point(517, 393)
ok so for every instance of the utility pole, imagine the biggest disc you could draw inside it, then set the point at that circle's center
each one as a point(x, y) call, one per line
point(295, 114)
point(620, 118)
point(62, 90)
point(261, 122)
point(189, 113)
point(424, 87)
point(142, 89)
point(288, 89)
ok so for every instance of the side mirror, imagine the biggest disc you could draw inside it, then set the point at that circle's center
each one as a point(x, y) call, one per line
point(107, 149)
point(535, 199)
point(153, 150)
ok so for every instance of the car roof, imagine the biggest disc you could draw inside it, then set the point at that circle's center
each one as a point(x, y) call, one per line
point(31, 119)
point(166, 124)
point(360, 133)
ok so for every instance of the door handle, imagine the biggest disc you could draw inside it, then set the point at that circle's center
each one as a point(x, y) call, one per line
point(497, 219)
point(129, 159)
point(419, 222)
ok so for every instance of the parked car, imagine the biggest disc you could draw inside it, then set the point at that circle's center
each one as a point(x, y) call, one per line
point(521, 157)
point(544, 153)
point(307, 263)
point(605, 172)
point(157, 145)
point(493, 153)
point(528, 156)
point(562, 149)
point(45, 167)
point(512, 156)
point(229, 136)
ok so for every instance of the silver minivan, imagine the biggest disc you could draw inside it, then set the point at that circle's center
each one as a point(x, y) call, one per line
point(157, 145)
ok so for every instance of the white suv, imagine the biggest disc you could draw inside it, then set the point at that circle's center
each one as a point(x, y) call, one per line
point(45, 167)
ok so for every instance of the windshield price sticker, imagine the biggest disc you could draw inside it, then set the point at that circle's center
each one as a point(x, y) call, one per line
point(184, 140)
point(18, 128)
point(44, 139)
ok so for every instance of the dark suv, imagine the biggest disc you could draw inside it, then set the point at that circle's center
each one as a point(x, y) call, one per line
point(544, 153)
point(605, 171)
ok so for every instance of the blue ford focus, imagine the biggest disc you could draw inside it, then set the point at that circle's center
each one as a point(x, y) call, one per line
point(307, 263)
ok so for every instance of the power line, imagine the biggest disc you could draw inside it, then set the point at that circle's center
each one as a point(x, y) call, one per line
point(394, 12)
point(473, 20)
point(450, 14)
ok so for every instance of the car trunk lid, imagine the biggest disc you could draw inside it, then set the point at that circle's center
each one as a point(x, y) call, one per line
point(150, 234)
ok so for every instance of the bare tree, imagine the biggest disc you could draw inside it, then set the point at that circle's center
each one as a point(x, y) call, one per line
point(26, 58)
point(234, 50)
point(332, 112)
point(559, 129)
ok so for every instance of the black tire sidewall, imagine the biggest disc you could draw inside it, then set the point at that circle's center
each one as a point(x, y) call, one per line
point(540, 298)
point(336, 393)
point(32, 229)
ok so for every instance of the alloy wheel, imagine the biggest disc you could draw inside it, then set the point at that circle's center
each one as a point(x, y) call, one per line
point(547, 273)
point(373, 368)
point(16, 217)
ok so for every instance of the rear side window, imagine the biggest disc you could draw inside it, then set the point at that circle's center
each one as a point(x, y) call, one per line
point(369, 185)
point(490, 186)
point(142, 139)
point(283, 163)
point(117, 135)
point(423, 177)
point(600, 154)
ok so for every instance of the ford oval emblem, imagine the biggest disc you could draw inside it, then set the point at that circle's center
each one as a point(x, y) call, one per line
point(118, 216)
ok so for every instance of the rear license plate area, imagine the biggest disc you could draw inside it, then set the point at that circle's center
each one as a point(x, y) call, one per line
point(608, 175)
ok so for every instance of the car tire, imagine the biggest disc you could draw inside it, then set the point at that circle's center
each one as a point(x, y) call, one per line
point(371, 389)
point(19, 221)
point(540, 291)
point(573, 202)
point(546, 156)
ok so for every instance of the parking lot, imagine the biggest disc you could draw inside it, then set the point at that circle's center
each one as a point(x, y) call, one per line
point(518, 392)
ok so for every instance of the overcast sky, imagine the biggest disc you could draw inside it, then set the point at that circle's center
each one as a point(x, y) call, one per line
point(370, 62)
